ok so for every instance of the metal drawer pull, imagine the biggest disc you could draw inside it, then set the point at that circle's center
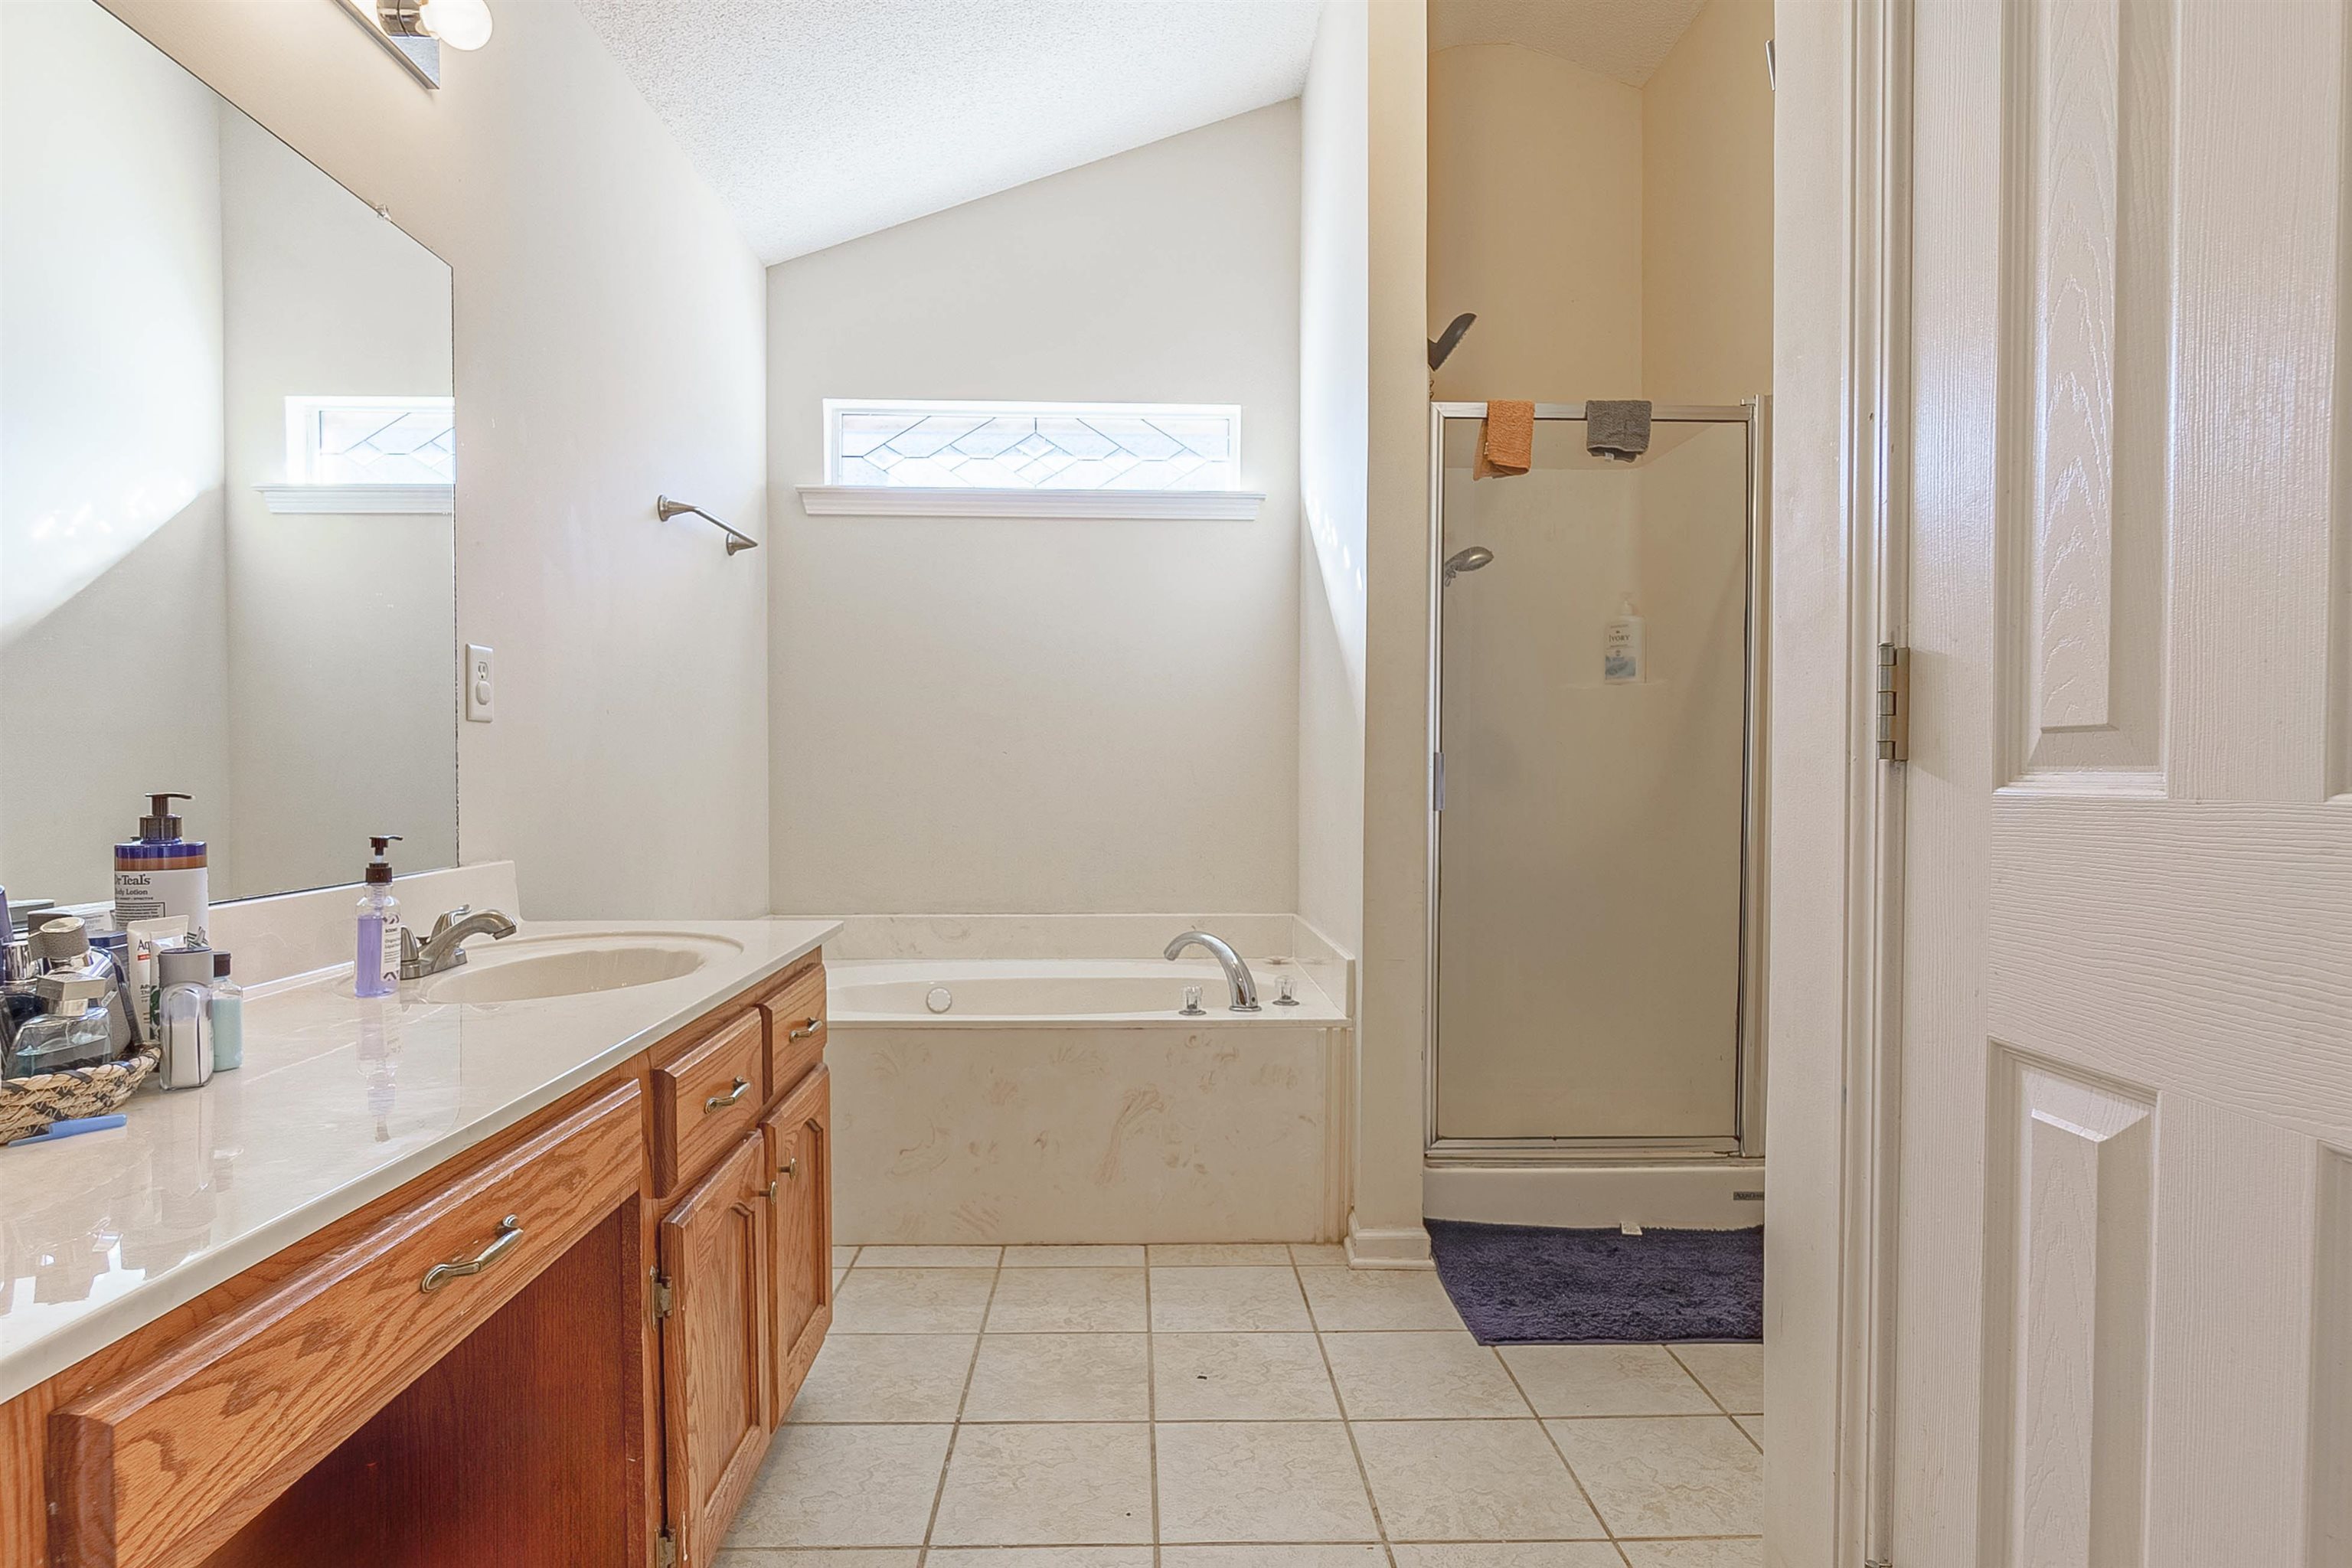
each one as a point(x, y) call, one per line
point(804, 1032)
point(440, 1274)
point(721, 1101)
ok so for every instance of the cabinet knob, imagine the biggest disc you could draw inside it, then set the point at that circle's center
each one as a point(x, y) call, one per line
point(791, 1167)
point(770, 1194)
point(804, 1031)
point(440, 1274)
point(721, 1101)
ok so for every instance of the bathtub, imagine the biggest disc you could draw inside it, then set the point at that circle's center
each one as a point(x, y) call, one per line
point(1019, 1098)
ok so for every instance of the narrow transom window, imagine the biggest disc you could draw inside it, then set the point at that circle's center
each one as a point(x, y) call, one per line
point(371, 440)
point(1032, 446)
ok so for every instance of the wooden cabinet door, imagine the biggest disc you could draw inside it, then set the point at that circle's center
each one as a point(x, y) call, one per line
point(800, 1161)
point(715, 1364)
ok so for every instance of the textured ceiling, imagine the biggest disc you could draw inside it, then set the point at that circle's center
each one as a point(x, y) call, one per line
point(1627, 39)
point(818, 120)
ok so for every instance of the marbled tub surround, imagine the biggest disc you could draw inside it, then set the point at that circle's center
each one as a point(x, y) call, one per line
point(1064, 1126)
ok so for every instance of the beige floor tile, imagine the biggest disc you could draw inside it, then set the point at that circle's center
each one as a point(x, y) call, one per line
point(1471, 1480)
point(785, 1557)
point(1348, 1299)
point(1241, 1377)
point(1605, 1380)
point(1040, 1557)
point(1753, 1426)
point(1228, 1298)
point(844, 1486)
point(843, 1256)
point(1057, 1484)
point(1061, 1377)
point(1667, 1475)
point(838, 1276)
point(1325, 1557)
point(1326, 1254)
point(1742, 1553)
point(1733, 1374)
point(1067, 1301)
point(1420, 1376)
point(1216, 1253)
point(1505, 1554)
point(929, 1257)
point(1074, 1258)
point(1260, 1481)
point(886, 1377)
point(911, 1301)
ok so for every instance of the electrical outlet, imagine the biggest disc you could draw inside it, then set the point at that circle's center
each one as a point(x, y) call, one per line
point(481, 684)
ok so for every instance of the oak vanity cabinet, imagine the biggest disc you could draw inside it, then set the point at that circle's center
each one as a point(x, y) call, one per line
point(798, 1145)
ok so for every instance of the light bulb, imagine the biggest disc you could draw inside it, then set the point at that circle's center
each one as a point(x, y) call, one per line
point(460, 24)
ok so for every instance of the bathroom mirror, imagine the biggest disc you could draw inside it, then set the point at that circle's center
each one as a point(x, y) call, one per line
point(227, 476)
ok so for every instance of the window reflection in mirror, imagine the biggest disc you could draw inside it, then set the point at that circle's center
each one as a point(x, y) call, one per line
point(227, 462)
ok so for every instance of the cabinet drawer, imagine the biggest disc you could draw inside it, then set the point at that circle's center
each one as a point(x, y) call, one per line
point(796, 1027)
point(705, 1097)
point(159, 1468)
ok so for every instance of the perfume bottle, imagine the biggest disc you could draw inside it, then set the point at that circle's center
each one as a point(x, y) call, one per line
point(71, 1031)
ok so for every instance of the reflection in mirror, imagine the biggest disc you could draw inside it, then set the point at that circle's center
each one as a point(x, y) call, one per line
point(227, 465)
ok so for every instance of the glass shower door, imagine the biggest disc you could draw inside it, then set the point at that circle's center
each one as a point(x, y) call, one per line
point(1592, 714)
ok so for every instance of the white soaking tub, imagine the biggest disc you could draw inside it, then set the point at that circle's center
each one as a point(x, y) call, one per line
point(1009, 1098)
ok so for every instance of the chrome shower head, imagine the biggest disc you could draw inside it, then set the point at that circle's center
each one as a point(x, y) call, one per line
point(1443, 344)
point(1468, 560)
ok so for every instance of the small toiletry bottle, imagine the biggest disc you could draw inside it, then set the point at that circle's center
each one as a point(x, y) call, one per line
point(375, 970)
point(159, 873)
point(1622, 653)
point(183, 1018)
point(18, 1005)
point(64, 946)
point(69, 1031)
point(228, 1017)
point(149, 938)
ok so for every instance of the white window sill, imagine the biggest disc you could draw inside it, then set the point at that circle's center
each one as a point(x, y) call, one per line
point(353, 500)
point(885, 501)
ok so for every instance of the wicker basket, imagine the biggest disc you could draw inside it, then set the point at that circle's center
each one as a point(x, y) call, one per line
point(27, 1105)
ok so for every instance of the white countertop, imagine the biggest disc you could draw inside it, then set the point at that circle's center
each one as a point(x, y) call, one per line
point(340, 1101)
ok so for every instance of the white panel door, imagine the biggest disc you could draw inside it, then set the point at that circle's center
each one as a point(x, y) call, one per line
point(2124, 1297)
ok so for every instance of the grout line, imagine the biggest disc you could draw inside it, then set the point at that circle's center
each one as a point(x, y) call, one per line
point(1151, 1404)
point(1712, 1399)
point(1364, 1476)
point(1572, 1476)
point(939, 1493)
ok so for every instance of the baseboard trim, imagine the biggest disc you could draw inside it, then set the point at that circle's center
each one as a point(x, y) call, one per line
point(1404, 1246)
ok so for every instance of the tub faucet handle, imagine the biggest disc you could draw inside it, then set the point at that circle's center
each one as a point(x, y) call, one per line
point(1192, 1008)
point(1289, 997)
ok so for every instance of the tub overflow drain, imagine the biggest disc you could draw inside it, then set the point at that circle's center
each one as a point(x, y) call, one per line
point(938, 999)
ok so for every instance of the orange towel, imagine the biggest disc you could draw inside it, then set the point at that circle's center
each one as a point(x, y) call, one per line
point(1508, 440)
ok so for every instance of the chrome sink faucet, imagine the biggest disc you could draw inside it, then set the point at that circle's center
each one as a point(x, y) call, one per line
point(444, 949)
point(1238, 979)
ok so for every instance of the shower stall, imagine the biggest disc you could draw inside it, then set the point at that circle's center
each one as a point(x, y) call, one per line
point(1596, 723)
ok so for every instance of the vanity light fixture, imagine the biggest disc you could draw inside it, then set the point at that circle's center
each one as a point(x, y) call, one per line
point(412, 31)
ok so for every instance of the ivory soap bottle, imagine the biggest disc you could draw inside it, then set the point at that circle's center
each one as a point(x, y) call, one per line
point(160, 874)
point(1622, 649)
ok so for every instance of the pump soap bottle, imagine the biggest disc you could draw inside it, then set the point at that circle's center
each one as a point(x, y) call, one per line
point(376, 970)
point(160, 874)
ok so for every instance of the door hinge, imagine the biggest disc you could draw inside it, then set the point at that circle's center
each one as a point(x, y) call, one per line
point(1437, 781)
point(1893, 703)
point(664, 1298)
point(665, 1550)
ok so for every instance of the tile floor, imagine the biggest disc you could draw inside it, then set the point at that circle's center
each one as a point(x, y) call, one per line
point(1256, 1407)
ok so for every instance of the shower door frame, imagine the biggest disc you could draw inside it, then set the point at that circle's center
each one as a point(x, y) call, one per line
point(1747, 1141)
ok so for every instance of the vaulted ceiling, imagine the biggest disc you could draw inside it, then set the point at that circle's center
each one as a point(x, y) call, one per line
point(819, 120)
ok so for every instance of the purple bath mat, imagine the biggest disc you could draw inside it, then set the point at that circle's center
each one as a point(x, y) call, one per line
point(1531, 1285)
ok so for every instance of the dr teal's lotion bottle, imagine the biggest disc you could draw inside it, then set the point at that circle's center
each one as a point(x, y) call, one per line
point(375, 970)
point(158, 874)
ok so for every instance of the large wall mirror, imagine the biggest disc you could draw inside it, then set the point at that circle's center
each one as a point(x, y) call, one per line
point(226, 471)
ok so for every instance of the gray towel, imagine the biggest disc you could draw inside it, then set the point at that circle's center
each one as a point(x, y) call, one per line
point(1619, 430)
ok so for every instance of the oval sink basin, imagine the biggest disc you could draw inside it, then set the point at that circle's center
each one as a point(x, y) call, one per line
point(526, 969)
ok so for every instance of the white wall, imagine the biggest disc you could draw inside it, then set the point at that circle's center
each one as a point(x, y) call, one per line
point(1535, 222)
point(1706, 211)
point(1016, 715)
point(341, 629)
point(1333, 321)
point(110, 550)
point(611, 345)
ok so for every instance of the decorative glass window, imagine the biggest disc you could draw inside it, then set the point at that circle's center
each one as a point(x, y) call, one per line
point(370, 441)
point(1032, 446)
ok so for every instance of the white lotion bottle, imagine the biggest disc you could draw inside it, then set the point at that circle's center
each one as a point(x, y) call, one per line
point(1624, 652)
point(375, 962)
